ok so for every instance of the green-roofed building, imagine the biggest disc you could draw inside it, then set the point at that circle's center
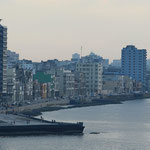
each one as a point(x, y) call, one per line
point(43, 77)
point(43, 85)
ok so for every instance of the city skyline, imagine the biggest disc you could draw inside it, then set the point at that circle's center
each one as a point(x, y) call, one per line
point(74, 74)
point(41, 30)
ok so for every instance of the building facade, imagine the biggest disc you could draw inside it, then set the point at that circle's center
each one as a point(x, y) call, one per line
point(116, 63)
point(66, 83)
point(26, 64)
point(148, 65)
point(43, 85)
point(24, 84)
point(117, 85)
point(80, 85)
point(75, 57)
point(12, 59)
point(3, 62)
point(133, 63)
point(11, 85)
point(93, 76)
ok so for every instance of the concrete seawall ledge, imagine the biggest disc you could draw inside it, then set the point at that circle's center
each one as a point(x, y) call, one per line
point(37, 109)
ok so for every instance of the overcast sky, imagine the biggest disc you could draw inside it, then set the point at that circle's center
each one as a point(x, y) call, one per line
point(48, 29)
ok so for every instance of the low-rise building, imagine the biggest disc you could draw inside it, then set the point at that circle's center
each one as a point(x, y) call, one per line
point(43, 86)
point(116, 63)
point(26, 64)
point(24, 84)
point(117, 85)
point(11, 85)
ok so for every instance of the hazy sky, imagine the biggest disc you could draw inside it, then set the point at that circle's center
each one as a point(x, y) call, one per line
point(48, 29)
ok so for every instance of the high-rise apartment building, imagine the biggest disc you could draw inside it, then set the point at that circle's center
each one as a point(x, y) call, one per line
point(133, 63)
point(3, 61)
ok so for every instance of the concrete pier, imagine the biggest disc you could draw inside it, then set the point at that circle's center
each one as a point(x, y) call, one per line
point(11, 125)
point(9, 119)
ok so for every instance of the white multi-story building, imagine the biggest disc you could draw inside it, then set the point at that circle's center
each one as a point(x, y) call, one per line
point(93, 76)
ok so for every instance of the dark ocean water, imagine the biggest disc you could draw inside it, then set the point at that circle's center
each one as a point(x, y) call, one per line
point(121, 126)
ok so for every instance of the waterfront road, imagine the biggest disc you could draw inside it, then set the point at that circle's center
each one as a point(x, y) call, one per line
point(35, 106)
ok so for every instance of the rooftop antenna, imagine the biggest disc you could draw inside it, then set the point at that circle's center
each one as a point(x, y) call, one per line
point(81, 51)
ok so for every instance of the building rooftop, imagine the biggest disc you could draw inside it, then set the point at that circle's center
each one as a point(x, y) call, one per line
point(42, 77)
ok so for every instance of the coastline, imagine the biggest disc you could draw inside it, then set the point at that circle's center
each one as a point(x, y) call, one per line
point(118, 99)
point(37, 112)
point(37, 109)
